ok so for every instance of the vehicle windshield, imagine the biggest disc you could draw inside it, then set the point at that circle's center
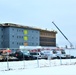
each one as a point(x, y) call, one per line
point(41, 53)
point(62, 52)
point(26, 53)
point(34, 53)
point(54, 51)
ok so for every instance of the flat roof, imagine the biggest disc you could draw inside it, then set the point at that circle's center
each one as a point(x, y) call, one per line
point(22, 26)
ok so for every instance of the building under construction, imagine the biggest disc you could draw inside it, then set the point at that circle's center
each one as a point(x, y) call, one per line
point(15, 35)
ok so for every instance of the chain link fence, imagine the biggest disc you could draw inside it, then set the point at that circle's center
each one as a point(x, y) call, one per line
point(10, 60)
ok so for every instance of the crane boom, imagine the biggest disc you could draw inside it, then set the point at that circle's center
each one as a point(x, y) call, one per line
point(62, 34)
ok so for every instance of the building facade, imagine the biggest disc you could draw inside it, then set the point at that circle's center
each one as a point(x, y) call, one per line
point(47, 38)
point(14, 36)
point(1, 37)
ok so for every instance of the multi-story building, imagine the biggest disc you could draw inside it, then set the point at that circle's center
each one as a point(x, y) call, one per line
point(14, 35)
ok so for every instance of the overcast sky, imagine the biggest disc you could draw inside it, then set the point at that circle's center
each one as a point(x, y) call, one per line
point(41, 13)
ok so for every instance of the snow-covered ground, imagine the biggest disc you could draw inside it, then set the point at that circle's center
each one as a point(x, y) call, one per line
point(40, 67)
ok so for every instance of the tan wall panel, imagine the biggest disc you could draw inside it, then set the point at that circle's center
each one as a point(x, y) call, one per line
point(25, 44)
point(47, 36)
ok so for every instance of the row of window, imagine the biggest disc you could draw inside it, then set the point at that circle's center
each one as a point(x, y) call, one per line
point(13, 36)
point(25, 37)
point(18, 30)
point(41, 44)
point(20, 43)
point(30, 43)
point(25, 31)
point(17, 36)
point(33, 43)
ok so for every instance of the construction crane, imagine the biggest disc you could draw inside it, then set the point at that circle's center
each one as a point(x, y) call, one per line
point(71, 45)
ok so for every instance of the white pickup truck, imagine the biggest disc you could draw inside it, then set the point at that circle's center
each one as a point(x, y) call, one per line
point(51, 54)
point(39, 55)
point(61, 54)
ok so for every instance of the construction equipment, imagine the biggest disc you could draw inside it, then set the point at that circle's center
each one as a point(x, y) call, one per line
point(71, 45)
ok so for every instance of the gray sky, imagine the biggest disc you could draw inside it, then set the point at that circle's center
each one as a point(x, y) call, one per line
point(41, 13)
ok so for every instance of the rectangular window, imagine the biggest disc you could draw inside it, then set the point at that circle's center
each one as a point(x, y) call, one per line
point(25, 38)
point(12, 42)
point(13, 29)
point(25, 31)
point(12, 35)
point(2, 36)
point(2, 29)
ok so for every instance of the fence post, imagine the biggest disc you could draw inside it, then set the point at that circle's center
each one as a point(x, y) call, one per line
point(23, 59)
point(49, 59)
point(7, 61)
point(70, 56)
point(60, 60)
point(37, 58)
